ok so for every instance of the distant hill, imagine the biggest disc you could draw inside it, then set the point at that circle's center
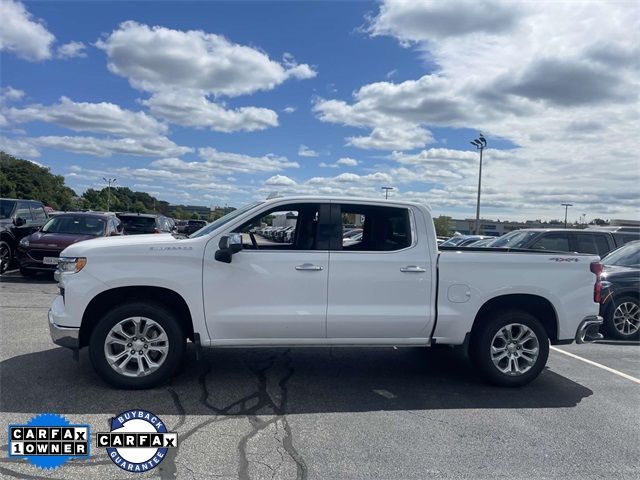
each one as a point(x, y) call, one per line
point(24, 179)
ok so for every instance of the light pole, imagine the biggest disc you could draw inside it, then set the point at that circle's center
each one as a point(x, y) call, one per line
point(480, 143)
point(386, 191)
point(566, 209)
point(109, 181)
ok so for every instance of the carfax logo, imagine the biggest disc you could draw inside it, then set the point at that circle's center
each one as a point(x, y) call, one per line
point(49, 441)
point(138, 440)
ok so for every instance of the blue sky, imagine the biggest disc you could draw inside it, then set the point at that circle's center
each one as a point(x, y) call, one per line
point(328, 97)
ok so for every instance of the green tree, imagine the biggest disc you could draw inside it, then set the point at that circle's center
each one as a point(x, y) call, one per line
point(24, 179)
point(195, 216)
point(443, 226)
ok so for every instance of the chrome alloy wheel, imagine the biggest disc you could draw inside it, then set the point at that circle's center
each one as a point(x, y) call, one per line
point(514, 349)
point(136, 346)
point(626, 318)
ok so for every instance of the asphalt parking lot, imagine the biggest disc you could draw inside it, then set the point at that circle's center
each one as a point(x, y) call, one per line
point(336, 413)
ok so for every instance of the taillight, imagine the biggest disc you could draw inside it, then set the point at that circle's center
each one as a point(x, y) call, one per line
point(597, 268)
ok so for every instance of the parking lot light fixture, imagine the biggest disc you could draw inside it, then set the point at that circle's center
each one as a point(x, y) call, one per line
point(566, 209)
point(480, 143)
point(109, 182)
point(386, 191)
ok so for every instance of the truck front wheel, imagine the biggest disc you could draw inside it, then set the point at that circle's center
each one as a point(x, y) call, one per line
point(137, 345)
point(511, 348)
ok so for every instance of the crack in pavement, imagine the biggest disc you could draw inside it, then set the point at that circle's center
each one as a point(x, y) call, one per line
point(168, 470)
point(250, 405)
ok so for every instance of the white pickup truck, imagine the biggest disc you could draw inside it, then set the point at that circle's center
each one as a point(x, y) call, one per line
point(135, 300)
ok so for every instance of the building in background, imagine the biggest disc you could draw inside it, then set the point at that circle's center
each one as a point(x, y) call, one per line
point(288, 219)
point(188, 210)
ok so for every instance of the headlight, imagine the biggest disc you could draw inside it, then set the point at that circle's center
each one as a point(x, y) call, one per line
point(71, 264)
point(24, 242)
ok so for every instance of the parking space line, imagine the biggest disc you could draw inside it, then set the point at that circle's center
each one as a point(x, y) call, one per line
point(599, 365)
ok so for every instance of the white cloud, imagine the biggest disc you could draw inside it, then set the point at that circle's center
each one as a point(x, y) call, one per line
point(101, 117)
point(304, 151)
point(157, 58)
point(289, 109)
point(10, 94)
point(412, 21)
point(105, 147)
point(347, 162)
point(183, 69)
point(559, 80)
point(23, 35)
point(344, 161)
point(279, 181)
point(18, 147)
point(192, 109)
point(227, 162)
point(345, 184)
point(72, 50)
point(393, 137)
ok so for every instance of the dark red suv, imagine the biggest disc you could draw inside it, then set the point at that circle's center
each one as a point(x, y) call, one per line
point(40, 250)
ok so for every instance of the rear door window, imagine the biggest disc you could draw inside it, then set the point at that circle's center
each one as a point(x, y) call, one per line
point(594, 243)
point(38, 212)
point(602, 244)
point(383, 229)
point(23, 211)
point(554, 242)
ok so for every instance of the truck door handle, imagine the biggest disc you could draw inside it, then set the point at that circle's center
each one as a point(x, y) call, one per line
point(309, 266)
point(413, 269)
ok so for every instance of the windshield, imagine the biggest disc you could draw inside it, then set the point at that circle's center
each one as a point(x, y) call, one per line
point(6, 208)
point(223, 220)
point(75, 225)
point(517, 239)
point(452, 242)
point(627, 256)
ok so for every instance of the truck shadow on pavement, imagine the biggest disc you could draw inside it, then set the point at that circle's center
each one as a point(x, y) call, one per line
point(279, 382)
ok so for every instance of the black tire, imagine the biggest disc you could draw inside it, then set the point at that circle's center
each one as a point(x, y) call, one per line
point(480, 348)
point(155, 312)
point(6, 256)
point(609, 327)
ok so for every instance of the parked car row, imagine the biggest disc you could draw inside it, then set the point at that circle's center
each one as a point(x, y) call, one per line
point(283, 234)
point(599, 241)
point(34, 237)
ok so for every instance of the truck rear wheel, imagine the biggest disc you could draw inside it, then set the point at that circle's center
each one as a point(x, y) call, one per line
point(511, 348)
point(137, 345)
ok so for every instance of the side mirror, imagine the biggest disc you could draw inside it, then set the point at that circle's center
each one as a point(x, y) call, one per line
point(227, 246)
point(19, 221)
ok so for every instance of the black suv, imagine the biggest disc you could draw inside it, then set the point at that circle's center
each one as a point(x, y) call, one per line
point(140, 223)
point(18, 218)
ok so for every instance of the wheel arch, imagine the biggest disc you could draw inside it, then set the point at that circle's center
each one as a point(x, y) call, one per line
point(536, 305)
point(7, 236)
point(107, 299)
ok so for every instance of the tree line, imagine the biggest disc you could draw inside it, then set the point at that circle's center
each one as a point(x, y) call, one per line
point(24, 179)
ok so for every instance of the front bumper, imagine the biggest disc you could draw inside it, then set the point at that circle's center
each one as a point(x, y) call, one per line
point(26, 261)
point(68, 337)
point(588, 329)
